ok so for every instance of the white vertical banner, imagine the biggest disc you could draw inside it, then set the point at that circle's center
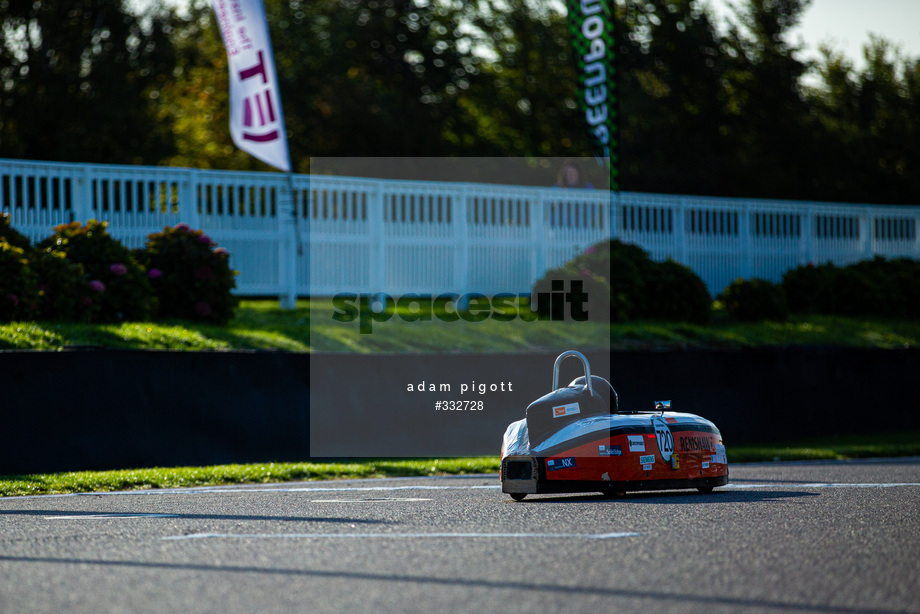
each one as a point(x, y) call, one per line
point(256, 119)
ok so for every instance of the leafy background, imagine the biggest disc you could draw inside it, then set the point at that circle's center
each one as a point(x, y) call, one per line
point(701, 111)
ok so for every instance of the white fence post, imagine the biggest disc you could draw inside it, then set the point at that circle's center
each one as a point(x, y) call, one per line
point(614, 230)
point(287, 251)
point(680, 231)
point(461, 240)
point(376, 239)
point(83, 196)
point(744, 230)
point(807, 238)
point(188, 199)
point(538, 239)
point(865, 233)
point(916, 247)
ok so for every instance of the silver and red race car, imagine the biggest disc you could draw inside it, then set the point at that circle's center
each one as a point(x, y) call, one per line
point(577, 439)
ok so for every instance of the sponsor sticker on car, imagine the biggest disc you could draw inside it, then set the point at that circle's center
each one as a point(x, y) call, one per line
point(645, 460)
point(568, 409)
point(603, 450)
point(664, 437)
point(636, 443)
point(554, 464)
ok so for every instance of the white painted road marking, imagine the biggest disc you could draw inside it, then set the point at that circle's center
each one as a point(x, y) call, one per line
point(370, 500)
point(395, 535)
point(734, 486)
point(107, 516)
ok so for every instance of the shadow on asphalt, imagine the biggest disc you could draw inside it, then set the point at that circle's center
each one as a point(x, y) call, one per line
point(676, 497)
point(699, 601)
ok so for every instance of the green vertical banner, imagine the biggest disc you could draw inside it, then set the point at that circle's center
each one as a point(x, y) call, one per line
point(591, 26)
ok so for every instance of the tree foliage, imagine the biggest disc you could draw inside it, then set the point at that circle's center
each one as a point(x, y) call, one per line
point(80, 81)
point(726, 111)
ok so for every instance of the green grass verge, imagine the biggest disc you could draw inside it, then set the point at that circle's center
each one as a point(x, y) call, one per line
point(177, 477)
point(904, 443)
point(896, 444)
point(261, 325)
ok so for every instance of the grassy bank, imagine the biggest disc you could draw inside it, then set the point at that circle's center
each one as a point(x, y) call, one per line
point(261, 325)
point(839, 448)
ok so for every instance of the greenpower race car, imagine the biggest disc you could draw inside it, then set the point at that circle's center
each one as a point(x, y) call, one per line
point(577, 439)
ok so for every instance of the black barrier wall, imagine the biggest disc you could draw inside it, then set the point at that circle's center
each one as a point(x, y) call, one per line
point(103, 409)
point(113, 409)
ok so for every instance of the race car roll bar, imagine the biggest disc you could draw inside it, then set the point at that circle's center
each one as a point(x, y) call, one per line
point(584, 361)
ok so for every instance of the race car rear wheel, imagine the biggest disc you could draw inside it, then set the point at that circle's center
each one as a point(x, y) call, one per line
point(613, 493)
point(518, 496)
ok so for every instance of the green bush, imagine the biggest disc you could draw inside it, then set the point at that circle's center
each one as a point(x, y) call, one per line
point(64, 292)
point(17, 284)
point(119, 283)
point(191, 276)
point(893, 287)
point(636, 286)
point(851, 293)
point(627, 289)
point(10, 235)
point(755, 300)
point(675, 293)
point(809, 288)
point(874, 288)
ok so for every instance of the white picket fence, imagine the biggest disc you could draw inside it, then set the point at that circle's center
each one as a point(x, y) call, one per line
point(347, 234)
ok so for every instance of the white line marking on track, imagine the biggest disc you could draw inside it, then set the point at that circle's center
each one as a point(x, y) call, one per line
point(395, 535)
point(371, 500)
point(734, 486)
point(108, 516)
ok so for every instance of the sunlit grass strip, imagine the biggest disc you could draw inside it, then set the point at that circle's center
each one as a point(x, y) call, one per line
point(217, 475)
point(906, 443)
point(261, 325)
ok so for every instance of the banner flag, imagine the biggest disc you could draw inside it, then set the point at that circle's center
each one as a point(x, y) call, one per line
point(591, 27)
point(256, 120)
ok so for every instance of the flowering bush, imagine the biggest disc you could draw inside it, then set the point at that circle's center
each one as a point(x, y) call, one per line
point(191, 276)
point(11, 236)
point(119, 289)
point(17, 284)
point(64, 292)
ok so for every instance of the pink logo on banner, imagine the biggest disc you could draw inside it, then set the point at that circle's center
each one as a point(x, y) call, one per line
point(256, 120)
point(258, 110)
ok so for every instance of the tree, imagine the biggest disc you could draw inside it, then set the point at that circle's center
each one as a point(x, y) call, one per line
point(380, 78)
point(674, 115)
point(769, 114)
point(79, 81)
point(524, 102)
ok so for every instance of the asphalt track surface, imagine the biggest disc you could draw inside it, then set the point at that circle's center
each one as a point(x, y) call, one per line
point(791, 537)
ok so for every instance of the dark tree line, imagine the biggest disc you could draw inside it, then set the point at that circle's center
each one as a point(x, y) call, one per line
point(699, 111)
point(79, 81)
